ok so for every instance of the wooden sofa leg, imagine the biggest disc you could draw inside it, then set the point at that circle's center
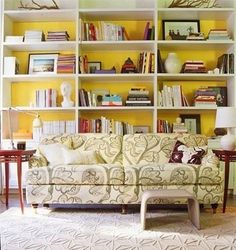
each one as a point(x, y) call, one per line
point(124, 208)
point(201, 206)
point(46, 205)
point(34, 205)
point(214, 207)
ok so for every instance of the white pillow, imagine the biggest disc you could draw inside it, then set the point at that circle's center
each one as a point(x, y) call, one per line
point(78, 156)
point(53, 153)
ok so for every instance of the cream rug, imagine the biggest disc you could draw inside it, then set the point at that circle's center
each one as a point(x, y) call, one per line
point(101, 229)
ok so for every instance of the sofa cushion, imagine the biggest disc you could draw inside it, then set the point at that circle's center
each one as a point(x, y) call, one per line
point(100, 174)
point(183, 154)
point(155, 148)
point(173, 174)
point(108, 146)
point(78, 156)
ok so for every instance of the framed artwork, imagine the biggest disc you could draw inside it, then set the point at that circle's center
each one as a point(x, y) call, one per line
point(192, 123)
point(93, 66)
point(141, 129)
point(42, 63)
point(97, 96)
point(179, 29)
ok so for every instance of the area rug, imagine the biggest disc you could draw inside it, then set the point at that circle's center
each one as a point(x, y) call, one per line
point(71, 228)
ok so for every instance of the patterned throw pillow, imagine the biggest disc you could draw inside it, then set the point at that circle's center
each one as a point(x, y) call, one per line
point(183, 154)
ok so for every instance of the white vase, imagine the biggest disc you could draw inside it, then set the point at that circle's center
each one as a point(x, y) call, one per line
point(173, 64)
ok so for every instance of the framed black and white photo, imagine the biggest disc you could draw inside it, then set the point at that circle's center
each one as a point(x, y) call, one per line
point(192, 123)
point(42, 63)
point(179, 29)
point(93, 66)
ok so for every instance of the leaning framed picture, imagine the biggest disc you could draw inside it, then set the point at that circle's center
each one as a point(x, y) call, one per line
point(192, 123)
point(44, 63)
point(179, 29)
point(93, 66)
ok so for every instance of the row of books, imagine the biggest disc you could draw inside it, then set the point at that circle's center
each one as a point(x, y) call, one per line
point(102, 31)
point(163, 126)
point(66, 63)
point(225, 63)
point(149, 32)
point(61, 35)
point(172, 96)
point(105, 125)
point(146, 62)
point(54, 127)
point(46, 98)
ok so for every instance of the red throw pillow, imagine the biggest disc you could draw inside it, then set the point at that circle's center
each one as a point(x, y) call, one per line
point(183, 154)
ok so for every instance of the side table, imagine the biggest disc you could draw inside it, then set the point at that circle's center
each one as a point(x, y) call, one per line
point(15, 156)
point(227, 156)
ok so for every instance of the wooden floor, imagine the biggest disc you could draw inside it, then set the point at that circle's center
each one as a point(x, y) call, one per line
point(14, 202)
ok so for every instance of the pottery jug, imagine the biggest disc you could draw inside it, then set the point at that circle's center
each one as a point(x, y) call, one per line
point(173, 64)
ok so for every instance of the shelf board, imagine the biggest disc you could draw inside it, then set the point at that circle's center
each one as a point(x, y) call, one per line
point(118, 45)
point(195, 77)
point(186, 108)
point(35, 78)
point(46, 109)
point(193, 45)
point(195, 13)
point(100, 108)
point(41, 46)
point(117, 14)
point(117, 77)
point(42, 15)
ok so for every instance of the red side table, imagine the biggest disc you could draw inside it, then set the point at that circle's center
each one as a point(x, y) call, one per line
point(15, 156)
point(227, 156)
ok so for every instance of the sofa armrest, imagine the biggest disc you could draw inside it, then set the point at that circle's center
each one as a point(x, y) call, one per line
point(210, 159)
point(37, 161)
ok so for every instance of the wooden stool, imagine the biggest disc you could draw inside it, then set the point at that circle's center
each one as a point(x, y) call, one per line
point(193, 205)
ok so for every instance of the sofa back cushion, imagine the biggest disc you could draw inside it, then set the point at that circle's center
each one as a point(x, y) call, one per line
point(156, 147)
point(107, 146)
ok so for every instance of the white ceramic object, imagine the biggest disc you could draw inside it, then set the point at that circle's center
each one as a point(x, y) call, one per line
point(173, 64)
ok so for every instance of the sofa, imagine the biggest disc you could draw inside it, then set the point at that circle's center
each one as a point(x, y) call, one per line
point(94, 168)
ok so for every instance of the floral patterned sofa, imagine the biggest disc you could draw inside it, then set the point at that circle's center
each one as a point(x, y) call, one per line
point(122, 169)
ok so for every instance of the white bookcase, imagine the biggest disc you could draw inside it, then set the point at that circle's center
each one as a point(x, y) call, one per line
point(126, 11)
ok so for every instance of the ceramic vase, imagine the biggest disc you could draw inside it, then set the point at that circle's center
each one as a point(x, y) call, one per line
point(173, 64)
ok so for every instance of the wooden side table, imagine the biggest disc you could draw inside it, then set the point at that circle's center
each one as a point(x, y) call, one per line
point(227, 156)
point(15, 156)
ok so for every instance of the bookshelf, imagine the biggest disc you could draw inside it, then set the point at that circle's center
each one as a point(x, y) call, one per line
point(18, 90)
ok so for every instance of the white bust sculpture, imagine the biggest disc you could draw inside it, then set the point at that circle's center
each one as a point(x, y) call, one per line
point(66, 92)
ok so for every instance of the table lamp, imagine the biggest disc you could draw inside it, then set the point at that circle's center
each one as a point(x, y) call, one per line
point(37, 122)
point(226, 118)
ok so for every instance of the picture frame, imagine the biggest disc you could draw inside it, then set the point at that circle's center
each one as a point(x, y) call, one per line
point(42, 63)
point(192, 123)
point(179, 29)
point(141, 129)
point(97, 96)
point(93, 66)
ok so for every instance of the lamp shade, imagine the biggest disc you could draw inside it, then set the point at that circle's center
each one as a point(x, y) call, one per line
point(225, 117)
point(37, 123)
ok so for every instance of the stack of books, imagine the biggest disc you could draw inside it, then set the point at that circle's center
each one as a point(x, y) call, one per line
point(218, 34)
point(66, 63)
point(138, 96)
point(205, 97)
point(34, 36)
point(111, 100)
point(57, 36)
point(194, 67)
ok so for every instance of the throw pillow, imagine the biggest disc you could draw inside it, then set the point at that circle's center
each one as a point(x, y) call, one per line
point(78, 156)
point(53, 153)
point(183, 154)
